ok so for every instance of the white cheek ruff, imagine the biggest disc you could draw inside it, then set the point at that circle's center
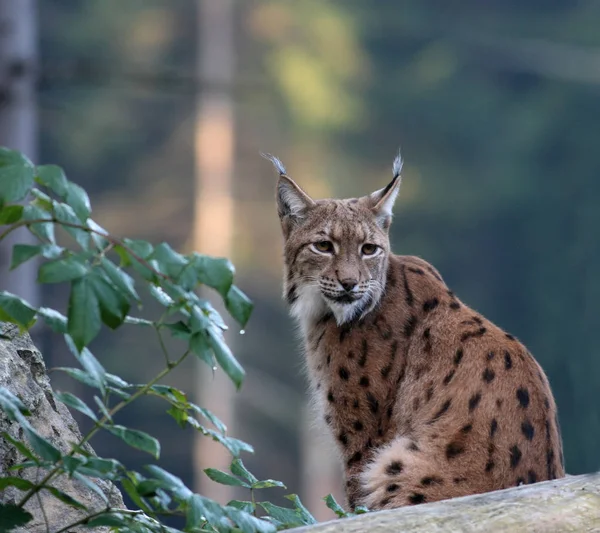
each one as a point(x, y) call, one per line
point(312, 305)
point(309, 306)
point(346, 312)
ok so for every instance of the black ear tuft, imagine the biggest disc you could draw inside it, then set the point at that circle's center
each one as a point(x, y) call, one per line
point(292, 201)
point(276, 163)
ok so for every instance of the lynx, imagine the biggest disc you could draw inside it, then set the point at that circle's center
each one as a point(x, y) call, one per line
point(426, 399)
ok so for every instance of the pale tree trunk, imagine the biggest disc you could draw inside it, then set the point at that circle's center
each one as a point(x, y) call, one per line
point(568, 504)
point(18, 123)
point(213, 209)
point(321, 471)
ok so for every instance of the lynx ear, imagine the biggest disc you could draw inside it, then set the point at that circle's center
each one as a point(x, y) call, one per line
point(382, 201)
point(292, 201)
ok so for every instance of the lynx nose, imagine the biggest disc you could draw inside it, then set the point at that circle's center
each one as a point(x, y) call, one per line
point(348, 284)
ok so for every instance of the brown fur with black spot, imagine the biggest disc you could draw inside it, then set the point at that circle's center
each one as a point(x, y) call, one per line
point(427, 400)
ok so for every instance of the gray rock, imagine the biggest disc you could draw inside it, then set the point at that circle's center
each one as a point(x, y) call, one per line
point(23, 372)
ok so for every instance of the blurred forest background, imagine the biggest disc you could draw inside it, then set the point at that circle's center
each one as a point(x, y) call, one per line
point(496, 106)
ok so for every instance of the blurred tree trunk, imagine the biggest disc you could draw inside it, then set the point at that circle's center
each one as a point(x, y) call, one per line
point(321, 467)
point(213, 209)
point(18, 122)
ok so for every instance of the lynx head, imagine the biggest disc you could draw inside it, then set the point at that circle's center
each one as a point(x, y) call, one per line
point(336, 251)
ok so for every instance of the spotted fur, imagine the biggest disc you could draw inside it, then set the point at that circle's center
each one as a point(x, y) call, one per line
point(427, 400)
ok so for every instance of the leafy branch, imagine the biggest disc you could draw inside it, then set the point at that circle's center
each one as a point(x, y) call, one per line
point(102, 274)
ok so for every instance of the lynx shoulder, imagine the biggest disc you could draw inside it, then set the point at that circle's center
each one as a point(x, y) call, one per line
point(426, 399)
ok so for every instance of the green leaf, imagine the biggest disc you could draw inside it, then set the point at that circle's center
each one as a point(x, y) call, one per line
point(140, 248)
point(301, 510)
point(225, 358)
point(72, 463)
point(285, 517)
point(173, 483)
point(10, 214)
point(51, 251)
point(212, 314)
point(103, 409)
point(214, 272)
point(30, 464)
point(123, 281)
point(161, 296)
point(131, 491)
point(113, 305)
point(335, 506)
point(171, 394)
point(41, 200)
point(224, 478)
point(53, 177)
point(214, 420)
point(148, 487)
point(137, 439)
point(65, 213)
point(15, 409)
point(12, 516)
point(238, 305)
point(84, 319)
point(116, 381)
point(78, 199)
point(79, 375)
point(136, 321)
point(180, 415)
point(19, 483)
point(234, 446)
point(43, 230)
point(194, 517)
point(112, 518)
point(200, 347)
point(199, 507)
point(178, 330)
point(198, 321)
point(248, 523)
point(84, 480)
point(169, 261)
point(65, 498)
point(16, 310)
point(99, 234)
point(267, 484)
point(248, 507)
point(16, 176)
point(39, 444)
point(54, 319)
point(12, 405)
point(102, 468)
point(89, 363)
point(123, 256)
point(21, 447)
point(67, 269)
point(23, 252)
point(73, 401)
point(237, 467)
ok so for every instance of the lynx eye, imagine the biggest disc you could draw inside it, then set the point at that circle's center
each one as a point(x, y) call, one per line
point(325, 247)
point(369, 249)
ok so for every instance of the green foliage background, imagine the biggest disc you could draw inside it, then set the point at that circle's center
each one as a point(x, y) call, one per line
point(494, 104)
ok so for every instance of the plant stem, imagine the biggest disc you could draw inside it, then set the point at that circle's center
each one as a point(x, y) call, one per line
point(98, 425)
point(87, 519)
point(112, 240)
